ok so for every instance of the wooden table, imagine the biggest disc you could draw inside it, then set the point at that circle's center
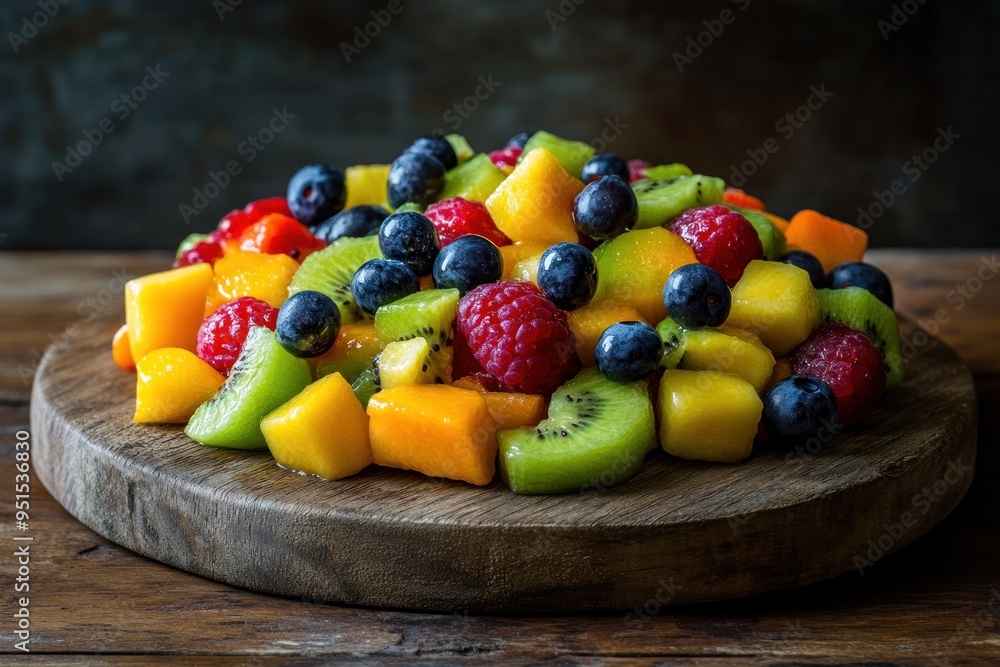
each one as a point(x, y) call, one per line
point(936, 602)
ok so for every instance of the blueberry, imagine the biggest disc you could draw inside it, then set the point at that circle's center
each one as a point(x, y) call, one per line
point(409, 237)
point(308, 323)
point(415, 177)
point(628, 351)
point(859, 274)
point(605, 164)
point(468, 262)
point(606, 208)
point(381, 281)
point(437, 147)
point(567, 275)
point(355, 221)
point(798, 409)
point(315, 193)
point(695, 295)
point(518, 140)
point(808, 263)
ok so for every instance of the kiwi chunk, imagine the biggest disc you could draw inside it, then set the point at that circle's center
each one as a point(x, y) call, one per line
point(463, 151)
point(366, 386)
point(572, 155)
point(672, 335)
point(430, 315)
point(662, 201)
point(474, 179)
point(771, 238)
point(410, 207)
point(859, 309)
point(665, 172)
point(331, 269)
point(596, 435)
point(265, 376)
point(406, 362)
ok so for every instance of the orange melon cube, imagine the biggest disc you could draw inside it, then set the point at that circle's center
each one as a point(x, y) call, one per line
point(121, 349)
point(831, 241)
point(509, 409)
point(166, 309)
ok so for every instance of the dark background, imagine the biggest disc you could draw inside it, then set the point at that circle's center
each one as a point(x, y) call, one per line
point(607, 60)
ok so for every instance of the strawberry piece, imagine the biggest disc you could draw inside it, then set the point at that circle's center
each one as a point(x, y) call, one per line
point(278, 234)
point(457, 217)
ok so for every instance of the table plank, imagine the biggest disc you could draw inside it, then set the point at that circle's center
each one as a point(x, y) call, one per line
point(938, 600)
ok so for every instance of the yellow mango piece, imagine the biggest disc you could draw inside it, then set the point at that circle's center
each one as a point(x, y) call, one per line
point(514, 253)
point(707, 416)
point(367, 185)
point(777, 302)
point(322, 431)
point(589, 322)
point(121, 349)
point(262, 276)
point(439, 430)
point(170, 385)
point(166, 309)
point(535, 203)
point(526, 271)
point(728, 351)
point(352, 352)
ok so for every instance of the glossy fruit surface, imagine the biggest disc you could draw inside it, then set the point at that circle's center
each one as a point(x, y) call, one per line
point(588, 324)
point(223, 333)
point(728, 351)
point(605, 208)
point(865, 276)
point(567, 275)
point(166, 309)
point(800, 408)
point(415, 177)
point(604, 164)
point(264, 277)
point(628, 351)
point(721, 238)
point(381, 281)
point(308, 323)
point(808, 263)
point(170, 385)
point(467, 263)
point(696, 295)
point(438, 148)
point(456, 217)
point(278, 234)
point(831, 241)
point(352, 222)
point(121, 350)
point(410, 238)
point(315, 193)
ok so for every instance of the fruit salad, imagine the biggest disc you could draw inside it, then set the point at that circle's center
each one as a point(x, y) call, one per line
point(538, 313)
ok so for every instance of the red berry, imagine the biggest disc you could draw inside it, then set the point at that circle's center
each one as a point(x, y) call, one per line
point(236, 222)
point(506, 158)
point(849, 362)
point(637, 170)
point(258, 209)
point(223, 333)
point(457, 217)
point(721, 238)
point(206, 251)
point(518, 336)
point(278, 234)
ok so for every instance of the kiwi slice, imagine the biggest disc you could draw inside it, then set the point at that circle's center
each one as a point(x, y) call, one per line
point(430, 315)
point(265, 376)
point(771, 238)
point(406, 362)
point(572, 155)
point(474, 179)
point(661, 201)
point(596, 435)
point(463, 151)
point(366, 386)
point(665, 172)
point(859, 309)
point(672, 335)
point(410, 207)
point(331, 269)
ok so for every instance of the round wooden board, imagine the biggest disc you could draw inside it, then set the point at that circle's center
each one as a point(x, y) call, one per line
point(678, 532)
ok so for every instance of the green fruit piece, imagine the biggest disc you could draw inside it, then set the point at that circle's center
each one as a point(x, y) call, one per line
point(355, 349)
point(672, 335)
point(331, 270)
point(596, 435)
point(662, 201)
point(265, 376)
point(190, 241)
point(664, 172)
point(463, 151)
point(859, 309)
point(410, 207)
point(475, 179)
point(771, 238)
point(430, 315)
point(572, 155)
point(406, 362)
point(366, 386)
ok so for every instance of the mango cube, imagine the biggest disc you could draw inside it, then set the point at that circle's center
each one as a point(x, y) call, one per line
point(170, 385)
point(166, 309)
point(260, 275)
point(728, 351)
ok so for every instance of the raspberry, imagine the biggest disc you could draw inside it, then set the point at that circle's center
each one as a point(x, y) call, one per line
point(457, 217)
point(637, 170)
point(721, 238)
point(518, 336)
point(849, 362)
point(506, 158)
point(223, 333)
point(206, 251)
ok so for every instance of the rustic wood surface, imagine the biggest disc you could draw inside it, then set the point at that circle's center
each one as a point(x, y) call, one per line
point(936, 601)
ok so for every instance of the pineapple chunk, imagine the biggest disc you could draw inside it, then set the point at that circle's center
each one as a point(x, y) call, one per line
point(366, 185)
point(777, 302)
point(728, 351)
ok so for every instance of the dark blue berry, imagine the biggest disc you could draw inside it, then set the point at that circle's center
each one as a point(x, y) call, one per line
point(606, 208)
point(798, 409)
point(437, 147)
point(567, 275)
point(628, 351)
point(468, 262)
point(315, 193)
point(808, 263)
point(355, 221)
point(308, 323)
point(381, 281)
point(409, 237)
point(604, 164)
point(415, 177)
point(695, 295)
point(866, 276)
point(518, 140)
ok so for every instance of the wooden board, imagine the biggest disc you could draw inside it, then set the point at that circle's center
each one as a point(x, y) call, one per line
point(678, 532)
